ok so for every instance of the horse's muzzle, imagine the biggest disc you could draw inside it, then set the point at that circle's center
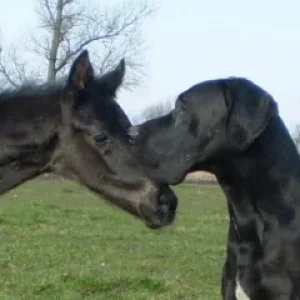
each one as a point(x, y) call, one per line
point(163, 212)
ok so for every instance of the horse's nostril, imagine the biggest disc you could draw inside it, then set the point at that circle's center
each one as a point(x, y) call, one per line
point(168, 200)
point(164, 209)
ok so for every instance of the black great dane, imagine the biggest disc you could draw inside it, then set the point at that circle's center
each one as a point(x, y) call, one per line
point(231, 127)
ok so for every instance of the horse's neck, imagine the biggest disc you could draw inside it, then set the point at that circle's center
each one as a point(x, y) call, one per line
point(28, 138)
point(14, 173)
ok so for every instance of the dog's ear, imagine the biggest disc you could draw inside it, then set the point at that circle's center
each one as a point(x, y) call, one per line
point(250, 109)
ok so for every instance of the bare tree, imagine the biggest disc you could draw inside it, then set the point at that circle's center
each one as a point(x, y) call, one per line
point(66, 27)
point(154, 111)
point(296, 136)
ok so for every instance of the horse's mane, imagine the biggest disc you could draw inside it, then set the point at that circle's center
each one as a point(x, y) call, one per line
point(32, 90)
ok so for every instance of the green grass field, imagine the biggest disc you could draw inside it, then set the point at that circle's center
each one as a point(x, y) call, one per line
point(59, 241)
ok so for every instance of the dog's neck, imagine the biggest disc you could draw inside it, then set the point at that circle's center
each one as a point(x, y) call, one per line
point(267, 176)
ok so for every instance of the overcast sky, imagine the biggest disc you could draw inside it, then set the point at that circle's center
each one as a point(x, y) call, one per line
point(195, 40)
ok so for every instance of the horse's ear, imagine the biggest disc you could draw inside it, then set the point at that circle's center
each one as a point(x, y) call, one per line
point(81, 72)
point(250, 109)
point(112, 80)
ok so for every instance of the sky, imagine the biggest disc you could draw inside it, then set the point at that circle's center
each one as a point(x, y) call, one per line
point(190, 41)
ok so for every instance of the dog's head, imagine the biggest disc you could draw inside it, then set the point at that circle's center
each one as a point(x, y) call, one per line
point(209, 119)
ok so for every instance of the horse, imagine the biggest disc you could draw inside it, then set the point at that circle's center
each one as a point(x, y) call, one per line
point(232, 128)
point(78, 130)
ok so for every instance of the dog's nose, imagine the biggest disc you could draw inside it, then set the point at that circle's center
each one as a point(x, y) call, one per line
point(133, 133)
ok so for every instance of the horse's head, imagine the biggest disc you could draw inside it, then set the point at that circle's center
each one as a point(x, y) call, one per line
point(94, 148)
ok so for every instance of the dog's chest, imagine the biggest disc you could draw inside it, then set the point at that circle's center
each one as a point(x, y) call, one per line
point(240, 294)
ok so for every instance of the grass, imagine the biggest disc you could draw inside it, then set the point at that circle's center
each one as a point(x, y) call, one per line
point(59, 241)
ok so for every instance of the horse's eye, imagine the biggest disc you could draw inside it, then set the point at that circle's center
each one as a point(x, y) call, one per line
point(100, 138)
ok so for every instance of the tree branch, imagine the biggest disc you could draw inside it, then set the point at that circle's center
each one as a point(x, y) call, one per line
point(66, 27)
point(51, 16)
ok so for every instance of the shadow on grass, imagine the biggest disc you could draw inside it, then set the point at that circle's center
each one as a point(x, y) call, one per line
point(91, 285)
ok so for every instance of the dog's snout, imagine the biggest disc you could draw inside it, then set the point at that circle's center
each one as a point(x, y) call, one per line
point(133, 133)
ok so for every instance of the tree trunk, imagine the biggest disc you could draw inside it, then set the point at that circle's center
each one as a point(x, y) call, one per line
point(56, 40)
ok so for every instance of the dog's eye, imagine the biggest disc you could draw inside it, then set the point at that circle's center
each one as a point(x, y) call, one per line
point(100, 138)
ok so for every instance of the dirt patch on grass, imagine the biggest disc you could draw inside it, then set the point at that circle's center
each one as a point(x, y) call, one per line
point(200, 178)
